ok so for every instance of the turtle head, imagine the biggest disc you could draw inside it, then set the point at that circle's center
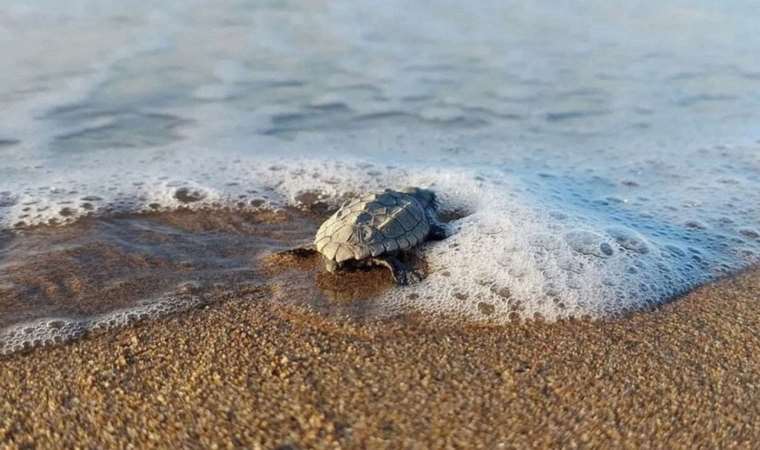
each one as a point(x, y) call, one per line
point(426, 197)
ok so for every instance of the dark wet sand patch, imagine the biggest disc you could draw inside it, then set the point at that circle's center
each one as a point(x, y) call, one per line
point(97, 265)
point(297, 277)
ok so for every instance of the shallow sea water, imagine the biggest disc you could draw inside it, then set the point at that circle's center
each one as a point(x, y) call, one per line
point(601, 158)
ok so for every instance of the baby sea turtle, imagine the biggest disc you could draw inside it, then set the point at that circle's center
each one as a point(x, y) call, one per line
point(374, 228)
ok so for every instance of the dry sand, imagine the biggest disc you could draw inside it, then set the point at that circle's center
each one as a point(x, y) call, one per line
point(247, 372)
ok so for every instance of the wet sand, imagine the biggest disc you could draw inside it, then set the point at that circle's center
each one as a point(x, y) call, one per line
point(247, 372)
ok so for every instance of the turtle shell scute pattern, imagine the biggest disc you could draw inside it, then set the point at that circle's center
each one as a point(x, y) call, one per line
point(372, 225)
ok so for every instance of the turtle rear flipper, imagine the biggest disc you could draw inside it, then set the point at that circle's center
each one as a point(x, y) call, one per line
point(401, 274)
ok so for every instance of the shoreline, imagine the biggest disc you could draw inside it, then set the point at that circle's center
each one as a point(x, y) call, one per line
point(249, 372)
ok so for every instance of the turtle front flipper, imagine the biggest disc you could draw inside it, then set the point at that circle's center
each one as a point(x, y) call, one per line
point(330, 265)
point(402, 275)
point(437, 232)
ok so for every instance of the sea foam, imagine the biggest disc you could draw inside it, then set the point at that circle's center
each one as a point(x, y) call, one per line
point(534, 244)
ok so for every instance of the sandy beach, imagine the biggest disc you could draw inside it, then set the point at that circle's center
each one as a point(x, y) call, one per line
point(544, 220)
point(247, 372)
